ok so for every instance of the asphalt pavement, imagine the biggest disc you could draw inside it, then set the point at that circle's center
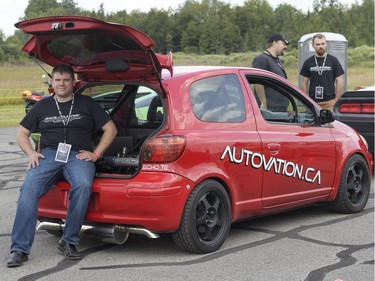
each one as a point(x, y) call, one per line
point(309, 244)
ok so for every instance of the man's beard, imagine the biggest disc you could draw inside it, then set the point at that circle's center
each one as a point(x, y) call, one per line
point(321, 52)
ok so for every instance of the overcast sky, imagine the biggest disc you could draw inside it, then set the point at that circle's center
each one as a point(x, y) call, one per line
point(12, 10)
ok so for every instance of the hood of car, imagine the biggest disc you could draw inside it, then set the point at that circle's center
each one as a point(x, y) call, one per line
point(96, 50)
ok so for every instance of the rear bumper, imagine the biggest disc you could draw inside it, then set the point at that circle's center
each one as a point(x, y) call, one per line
point(153, 201)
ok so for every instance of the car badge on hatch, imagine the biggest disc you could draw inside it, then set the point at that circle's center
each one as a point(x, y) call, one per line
point(56, 26)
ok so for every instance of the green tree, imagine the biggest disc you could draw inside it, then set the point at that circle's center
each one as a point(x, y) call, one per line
point(70, 7)
point(186, 26)
point(119, 17)
point(209, 27)
point(360, 31)
point(190, 37)
point(39, 8)
point(11, 49)
point(319, 5)
point(256, 22)
point(230, 37)
point(209, 40)
point(156, 25)
point(135, 19)
point(290, 22)
point(2, 43)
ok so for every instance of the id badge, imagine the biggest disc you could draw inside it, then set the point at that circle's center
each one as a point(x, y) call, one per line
point(319, 92)
point(63, 152)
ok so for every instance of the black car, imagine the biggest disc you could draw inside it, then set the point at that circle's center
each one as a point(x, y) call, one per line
point(356, 109)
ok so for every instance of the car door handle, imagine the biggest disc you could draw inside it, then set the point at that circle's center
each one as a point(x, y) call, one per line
point(273, 147)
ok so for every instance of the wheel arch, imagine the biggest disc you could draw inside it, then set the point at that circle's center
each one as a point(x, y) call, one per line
point(230, 191)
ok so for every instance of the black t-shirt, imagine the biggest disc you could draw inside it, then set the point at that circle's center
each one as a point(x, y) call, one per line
point(86, 118)
point(332, 69)
point(268, 62)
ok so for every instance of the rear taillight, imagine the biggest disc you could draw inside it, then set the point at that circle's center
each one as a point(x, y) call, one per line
point(164, 149)
point(368, 108)
point(358, 108)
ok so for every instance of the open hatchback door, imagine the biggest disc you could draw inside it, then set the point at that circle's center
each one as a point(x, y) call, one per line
point(96, 50)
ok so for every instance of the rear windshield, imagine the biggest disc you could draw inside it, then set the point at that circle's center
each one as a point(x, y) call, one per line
point(91, 48)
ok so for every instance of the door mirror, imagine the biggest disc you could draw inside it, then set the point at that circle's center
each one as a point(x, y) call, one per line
point(326, 116)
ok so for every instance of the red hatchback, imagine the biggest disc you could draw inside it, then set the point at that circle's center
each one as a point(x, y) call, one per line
point(194, 151)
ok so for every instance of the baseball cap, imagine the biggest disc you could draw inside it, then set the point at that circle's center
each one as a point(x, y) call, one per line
point(277, 37)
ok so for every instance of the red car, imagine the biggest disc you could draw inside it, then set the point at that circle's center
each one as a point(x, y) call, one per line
point(201, 154)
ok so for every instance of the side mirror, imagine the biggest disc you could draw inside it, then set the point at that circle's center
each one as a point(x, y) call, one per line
point(326, 116)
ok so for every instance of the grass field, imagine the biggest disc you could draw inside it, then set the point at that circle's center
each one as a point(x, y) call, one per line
point(16, 78)
point(11, 115)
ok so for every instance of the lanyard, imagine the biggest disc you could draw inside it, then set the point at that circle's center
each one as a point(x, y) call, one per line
point(321, 68)
point(62, 117)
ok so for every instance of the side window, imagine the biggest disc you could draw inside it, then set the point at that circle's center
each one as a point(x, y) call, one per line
point(279, 104)
point(140, 108)
point(106, 95)
point(147, 106)
point(218, 99)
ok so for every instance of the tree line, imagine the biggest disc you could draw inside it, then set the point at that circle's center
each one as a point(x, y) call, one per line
point(215, 27)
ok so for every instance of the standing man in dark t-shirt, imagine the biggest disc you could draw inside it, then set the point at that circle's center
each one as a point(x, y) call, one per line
point(269, 60)
point(67, 122)
point(325, 74)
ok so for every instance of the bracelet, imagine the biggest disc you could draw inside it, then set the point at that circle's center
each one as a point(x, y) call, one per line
point(96, 155)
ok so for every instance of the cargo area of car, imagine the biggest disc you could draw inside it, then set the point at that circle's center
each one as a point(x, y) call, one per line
point(123, 157)
point(137, 113)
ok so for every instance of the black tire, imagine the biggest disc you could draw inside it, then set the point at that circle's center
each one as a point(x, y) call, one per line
point(354, 189)
point(206, 219)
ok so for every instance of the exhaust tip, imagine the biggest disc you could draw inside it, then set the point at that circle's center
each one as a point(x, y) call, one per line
point(114, 234)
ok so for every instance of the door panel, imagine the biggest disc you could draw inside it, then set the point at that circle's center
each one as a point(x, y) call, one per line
point(302, 167)
point(298, 156)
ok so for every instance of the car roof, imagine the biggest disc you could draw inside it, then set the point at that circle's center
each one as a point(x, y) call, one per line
point(182, 70)
point(196, 69)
